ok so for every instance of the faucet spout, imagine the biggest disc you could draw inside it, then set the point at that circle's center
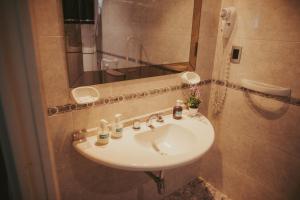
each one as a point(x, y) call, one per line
point(156, 116)
point(149, 121)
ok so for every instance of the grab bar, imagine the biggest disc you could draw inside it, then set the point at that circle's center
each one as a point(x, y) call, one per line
point(266, 88)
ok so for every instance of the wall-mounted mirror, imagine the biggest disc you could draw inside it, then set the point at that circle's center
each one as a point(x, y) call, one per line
point(116, 40)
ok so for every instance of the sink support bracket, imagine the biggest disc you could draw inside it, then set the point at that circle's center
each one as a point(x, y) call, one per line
point(159, 180)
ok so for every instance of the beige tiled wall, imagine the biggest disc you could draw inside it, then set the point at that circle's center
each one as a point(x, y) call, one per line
point(207, 42)
point(269, 32)
point(50, 45)
point(78, 177)
point(256, 153)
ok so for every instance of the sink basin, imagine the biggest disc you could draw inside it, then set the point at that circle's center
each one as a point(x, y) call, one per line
point(169, 139)
point(171, 144)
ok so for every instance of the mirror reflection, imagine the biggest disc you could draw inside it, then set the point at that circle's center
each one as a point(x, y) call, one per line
point(117, 40)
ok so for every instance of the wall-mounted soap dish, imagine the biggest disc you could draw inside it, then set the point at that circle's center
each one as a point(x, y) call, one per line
point(190, 78)
point(266, 88)
point(85, 94)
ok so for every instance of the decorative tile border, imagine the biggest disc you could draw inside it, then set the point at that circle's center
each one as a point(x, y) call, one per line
point(158, 91)
point(288, 100)
point(121, 98)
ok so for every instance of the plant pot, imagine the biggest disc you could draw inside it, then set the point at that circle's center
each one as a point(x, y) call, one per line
point(193, 111)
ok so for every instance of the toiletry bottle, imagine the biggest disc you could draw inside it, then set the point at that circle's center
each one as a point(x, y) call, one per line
point(177, 110)
point(117, 127)
point(103, 135)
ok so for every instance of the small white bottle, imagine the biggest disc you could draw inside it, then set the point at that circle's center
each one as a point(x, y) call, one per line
point(117, 127)
point(103, 135)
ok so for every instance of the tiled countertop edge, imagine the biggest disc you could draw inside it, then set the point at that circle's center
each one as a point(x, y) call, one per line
point(158, 91)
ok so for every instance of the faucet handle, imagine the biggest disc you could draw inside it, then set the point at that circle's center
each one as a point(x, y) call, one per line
point(159, 119)
point(136, 124)
point(149, 121)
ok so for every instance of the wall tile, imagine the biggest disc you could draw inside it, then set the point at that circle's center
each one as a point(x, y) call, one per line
point(231, 184)
point(210, 18)
point(251, 189)
point(48, 17)
point(275, 169)
point(266, 119)
point(60, 129)
point(235, 148)
point(211, 165)
point(53, 69)
point(205, 58)
point(269, 20)
point(138, 85)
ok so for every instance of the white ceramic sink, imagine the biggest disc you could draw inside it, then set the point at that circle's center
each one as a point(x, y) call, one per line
point(171, 144)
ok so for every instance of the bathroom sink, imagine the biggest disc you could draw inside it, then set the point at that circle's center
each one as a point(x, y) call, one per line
point(168, 145)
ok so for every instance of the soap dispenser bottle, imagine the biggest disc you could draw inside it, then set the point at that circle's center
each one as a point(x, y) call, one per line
point(177, 110)
point(103, 135)
point(117, 127)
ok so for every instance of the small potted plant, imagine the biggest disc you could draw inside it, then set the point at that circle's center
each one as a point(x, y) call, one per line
point(194, 101)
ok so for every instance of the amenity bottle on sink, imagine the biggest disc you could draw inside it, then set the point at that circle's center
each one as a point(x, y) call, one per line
point(117, 127)
point(103, 135)
point(177, 110)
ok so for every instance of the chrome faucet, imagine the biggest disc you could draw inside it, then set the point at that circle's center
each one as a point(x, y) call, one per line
point(79, 136)
point(150, 119)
